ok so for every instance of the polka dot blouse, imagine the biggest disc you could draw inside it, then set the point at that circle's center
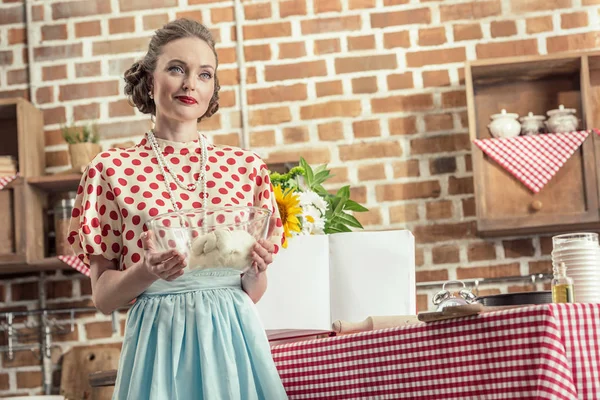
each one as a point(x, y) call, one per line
point(121, 189)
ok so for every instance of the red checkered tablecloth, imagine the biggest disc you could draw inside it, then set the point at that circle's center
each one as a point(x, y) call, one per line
point(539, 352)
point(5, 180)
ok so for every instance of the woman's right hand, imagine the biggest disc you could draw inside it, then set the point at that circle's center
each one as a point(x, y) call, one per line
point(167, 265)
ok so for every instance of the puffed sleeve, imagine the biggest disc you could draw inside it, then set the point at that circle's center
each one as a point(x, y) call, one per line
point(264, 197)
point(95, 227)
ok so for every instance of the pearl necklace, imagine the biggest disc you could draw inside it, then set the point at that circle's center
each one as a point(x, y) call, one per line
point(165, 166)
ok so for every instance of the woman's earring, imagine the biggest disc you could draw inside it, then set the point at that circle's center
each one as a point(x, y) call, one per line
point(151, 95)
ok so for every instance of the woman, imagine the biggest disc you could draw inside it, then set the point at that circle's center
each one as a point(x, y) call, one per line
point(184, 338)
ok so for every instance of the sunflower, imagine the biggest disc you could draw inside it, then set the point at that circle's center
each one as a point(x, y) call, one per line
point(289, 210)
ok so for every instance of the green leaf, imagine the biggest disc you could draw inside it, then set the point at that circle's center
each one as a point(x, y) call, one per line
point(308, 172)
point(351, 205)
point(321, 177)
point(344, 192)
point(340, 228)
point(340, 205)
point(348, 219)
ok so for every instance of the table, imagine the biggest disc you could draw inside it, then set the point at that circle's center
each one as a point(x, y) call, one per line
point(548, 351)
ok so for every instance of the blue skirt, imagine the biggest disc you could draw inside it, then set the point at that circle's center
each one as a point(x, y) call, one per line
point(198, 337)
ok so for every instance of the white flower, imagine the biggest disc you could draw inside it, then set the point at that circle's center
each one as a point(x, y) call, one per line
point(313, 221)
point(310, 198)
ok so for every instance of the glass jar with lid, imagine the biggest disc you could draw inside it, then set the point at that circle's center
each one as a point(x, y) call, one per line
point(63, 209)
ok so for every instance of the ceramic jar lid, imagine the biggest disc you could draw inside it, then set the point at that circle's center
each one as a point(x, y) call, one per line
point(504, 114)
point(561, 110)
point(531, 117)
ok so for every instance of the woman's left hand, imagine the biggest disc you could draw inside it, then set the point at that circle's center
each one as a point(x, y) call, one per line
point(262, 256)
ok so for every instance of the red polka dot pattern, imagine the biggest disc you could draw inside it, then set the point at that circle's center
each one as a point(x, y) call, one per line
point(121, 190)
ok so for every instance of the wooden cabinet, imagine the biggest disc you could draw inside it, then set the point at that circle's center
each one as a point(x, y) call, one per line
point(537, 84)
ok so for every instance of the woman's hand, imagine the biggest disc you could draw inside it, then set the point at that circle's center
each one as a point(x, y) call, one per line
point(262, 256)
point(167, 265)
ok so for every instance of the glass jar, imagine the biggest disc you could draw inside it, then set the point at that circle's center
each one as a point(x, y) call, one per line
point(62, 218)
point(562, 286)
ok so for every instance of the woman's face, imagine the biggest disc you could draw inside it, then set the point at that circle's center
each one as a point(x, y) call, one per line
point(183, 81)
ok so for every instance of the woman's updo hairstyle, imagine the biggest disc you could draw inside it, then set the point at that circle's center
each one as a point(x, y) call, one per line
point(137, 77)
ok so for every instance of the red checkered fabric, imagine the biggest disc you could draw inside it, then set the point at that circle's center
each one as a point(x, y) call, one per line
point(75, 262)
point(535, 159)
point(541, 352)
point(5, 180)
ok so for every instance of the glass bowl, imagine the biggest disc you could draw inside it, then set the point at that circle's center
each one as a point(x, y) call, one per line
point(214, 238)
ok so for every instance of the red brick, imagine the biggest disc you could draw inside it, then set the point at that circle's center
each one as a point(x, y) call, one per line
point(88, 28)
point(341, 108)
point(405, 169)
point(402, 126)
point(440, 144)
point(262, 139)
point(98, 330)
point(415, 102)
point(259, 52)
point(336, 24)
point(54, 32)
point(54, 115)
point(524, 6)
point(226, 98)
point(88, 90)
point(12, 15)
point(17, 76)
point(439, 122)
point(364, 85)
point(408, 191)
point(296, 70)
point(540, 267)
point(577, 41)
point(360, 4)
point(394, 2)
point(338, 175)
point(444, 232)
point(503, 28)
point(257, 11)
point(442, 56)
point(432, 276)
point(54, 72)
point(156, 21)
point(369, 218)
point(526, 47)
point(54, 53)
point(493, 271)
point(37, 12)
point(400, 81)
point(17, 36)
point(327, 46)
point(467, 32)
point(439, 210)
point(93, 68)
point(371, 172)
point(24, 291)
point(539, 24)
point(110, 47)
point(330, 88)
point(88, 111)
point(270, 116)
point(331, 131)
point(125, 129)
point(481, 251)
point(263, 31)
point(361, 42)
point(296, 134)
point(468, 206)
point(518, 248)
point(442, 165)
point(432, 36)
point(292, 50)
point(121, 25)
point(120, 108)
point(370, 150)
point(454, 99)
point(311, 155)
point(474, 10)
point(392, 40)
point(404, 213)
point(363, 129)
point(220, 15)
point(137, 5)
point(371, 63)
point(445, 254)
point(226, 55)
point(196, 15)
point(460, 185)
point(29, 379)
point(276, 94)
point(394, 18)
point(45, 95)
point(71, 9)
point(59, 289)
point(320, 6)
point(229, 77)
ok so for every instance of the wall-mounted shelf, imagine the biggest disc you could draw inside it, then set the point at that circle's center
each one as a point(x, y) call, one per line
point(56, 183)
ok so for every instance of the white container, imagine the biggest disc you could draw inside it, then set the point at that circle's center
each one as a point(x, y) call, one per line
point(562, 120)
point(504, 125)
point(532, 124)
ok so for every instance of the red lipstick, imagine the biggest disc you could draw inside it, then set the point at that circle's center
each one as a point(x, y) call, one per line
point(186, 99)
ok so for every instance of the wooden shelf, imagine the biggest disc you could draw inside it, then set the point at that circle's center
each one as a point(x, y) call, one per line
point(56, 183)
point(46, 264)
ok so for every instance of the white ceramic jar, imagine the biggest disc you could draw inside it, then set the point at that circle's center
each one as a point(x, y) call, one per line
point(504, 125)
point(562, 120)
point(532, 124)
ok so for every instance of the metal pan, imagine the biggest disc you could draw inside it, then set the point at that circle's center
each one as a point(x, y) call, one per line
point(515, 299)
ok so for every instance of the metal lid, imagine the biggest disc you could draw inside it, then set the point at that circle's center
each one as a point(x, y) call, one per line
point(65, 203)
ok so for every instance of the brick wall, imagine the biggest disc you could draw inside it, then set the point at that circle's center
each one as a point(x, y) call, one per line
point(372, 87)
